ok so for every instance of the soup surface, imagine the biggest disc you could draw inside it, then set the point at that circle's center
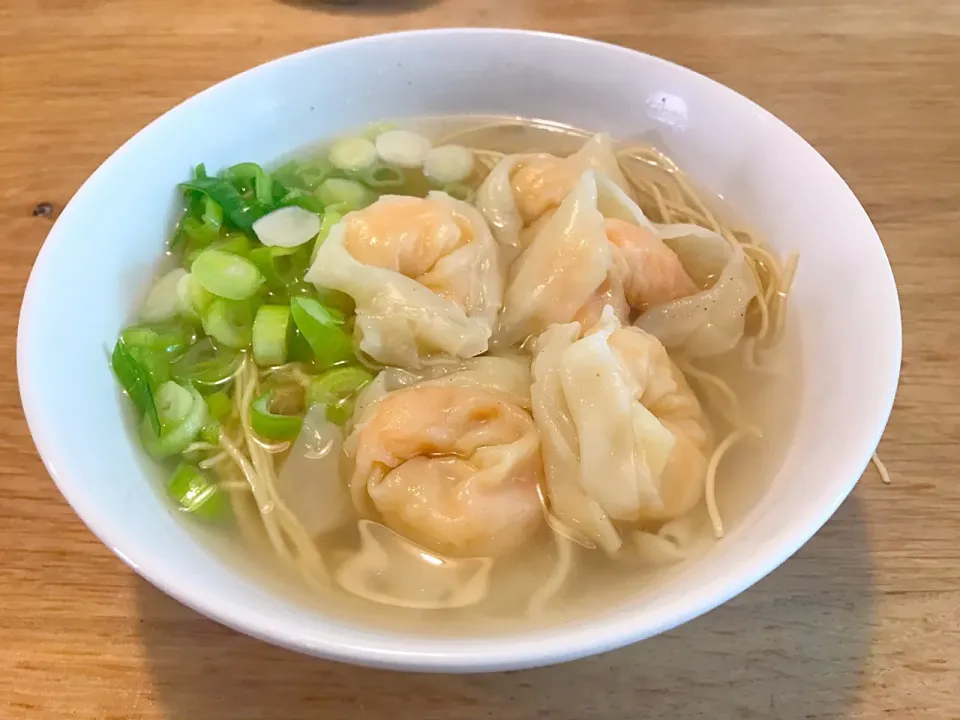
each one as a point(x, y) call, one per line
point(463, 373)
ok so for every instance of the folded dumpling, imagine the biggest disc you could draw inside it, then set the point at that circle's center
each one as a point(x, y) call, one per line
point(625, 439)
point(711, 321)
point(521, 189)
point(452, 464)
point(424, 274)
point(563, 269)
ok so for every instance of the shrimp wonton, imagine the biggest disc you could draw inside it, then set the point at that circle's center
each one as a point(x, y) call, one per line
point(624, 437)
point(423, 273)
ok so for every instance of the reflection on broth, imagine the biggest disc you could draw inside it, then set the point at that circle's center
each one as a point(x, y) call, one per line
point(463, 373)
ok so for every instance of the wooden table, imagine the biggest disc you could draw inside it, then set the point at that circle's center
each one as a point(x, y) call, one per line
point(862, 623)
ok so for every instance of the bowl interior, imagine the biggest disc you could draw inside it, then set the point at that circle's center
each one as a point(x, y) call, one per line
point(102, 251)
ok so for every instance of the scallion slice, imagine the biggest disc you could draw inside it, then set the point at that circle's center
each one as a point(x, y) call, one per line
point(271, 425)
point(344, 193)
point(353, 154)
point(251, 175)
point(383, 177)
point(182, 424)
point(337, 389)
point(322, 328)
point(135, 380)
point(237, 209)
point(163, 302)
point(173, 403)
point(206, 367)
point(219, 405)
point(288, 227)
point(271, 329)
point(192, 298)
point(167, 339)
point(305, 199)
point(195, 492)
point(448, 164)
point(282, 268)
point(230, 322)
point(226, 275)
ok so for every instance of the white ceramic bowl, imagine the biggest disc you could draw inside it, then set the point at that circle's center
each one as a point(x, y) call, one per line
point(98, 257)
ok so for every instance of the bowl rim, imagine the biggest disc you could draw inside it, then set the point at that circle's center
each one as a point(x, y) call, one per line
point(512, 651)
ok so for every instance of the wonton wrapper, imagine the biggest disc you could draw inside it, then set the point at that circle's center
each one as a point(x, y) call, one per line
point(521, 189)
point(561, 270)
point(424, 274)
point(452, 464)
point(393, 571)
point(624, 437)
point(709, 322)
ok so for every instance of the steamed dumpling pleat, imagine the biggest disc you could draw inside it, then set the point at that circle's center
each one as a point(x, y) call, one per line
point(629, 435)
point(508, 374)
point(521, 189)
point(709, 322)
point(424, 275)
point(691, 285)
point(561, 271)
point(454, 468)
point(560, 442)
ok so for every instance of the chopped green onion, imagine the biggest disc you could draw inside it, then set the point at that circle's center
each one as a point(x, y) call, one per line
point(206, 367)
point(212, 216)
point(250, 174)
point(337, 389)
point(173, 403)
point(226, 275)
point(274, 426)
point(210, 433)
point(383, 177)
point(195, 230)
point(353, 154)
point(288, 227)
point(271, 328)
point(229, 322)
point(235, 243)
point(168, 339)
point(163, 301)
point(281, 268)
point(303, 199)
point(336, 300)
point(403, 148)
point(135, 380)
point(448, 164)
point(329, 219)
point(195, 493)
point(459, 191)
point(344, 193)
point(321, 327)
point(176, 433)
point(236, 208)
point(192, 298)
point(306, 175)
point(219, 405)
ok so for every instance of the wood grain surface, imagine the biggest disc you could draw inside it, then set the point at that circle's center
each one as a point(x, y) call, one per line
point(863, 623)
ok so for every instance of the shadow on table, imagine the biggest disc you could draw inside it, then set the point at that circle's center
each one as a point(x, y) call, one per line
point(361, 7)
point(791, 647)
